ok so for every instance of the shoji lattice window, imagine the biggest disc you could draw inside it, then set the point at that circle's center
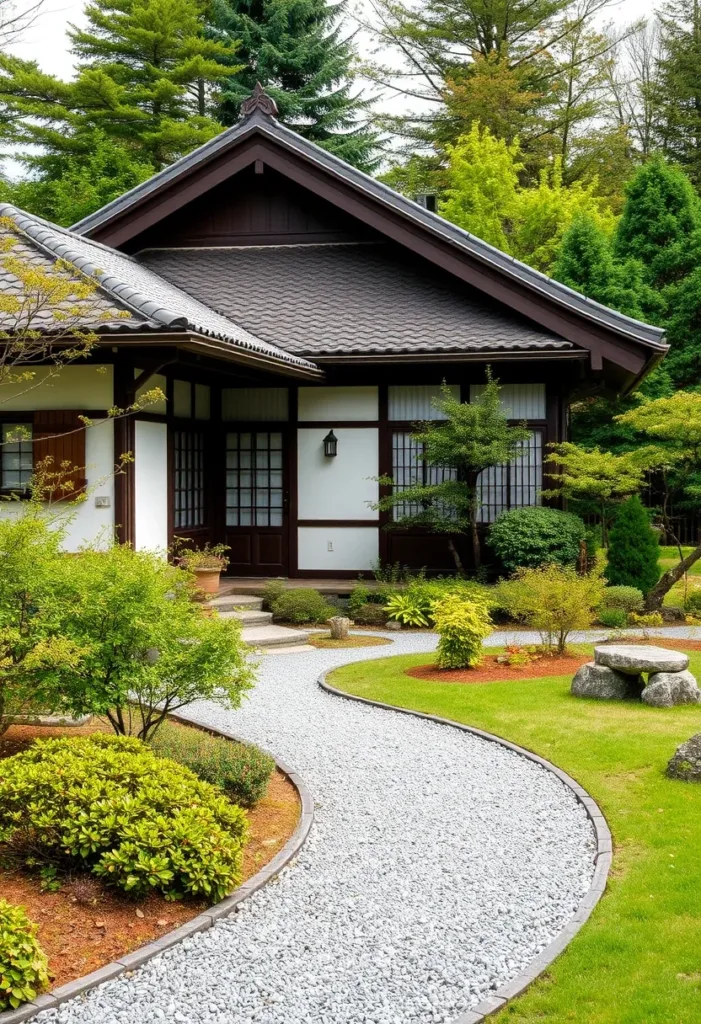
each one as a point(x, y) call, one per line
point(513, 484)
point(408, 469)
point(254, 491)
point(188, 479)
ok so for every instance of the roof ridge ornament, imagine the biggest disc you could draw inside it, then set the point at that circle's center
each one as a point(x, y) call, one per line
point(258, 100)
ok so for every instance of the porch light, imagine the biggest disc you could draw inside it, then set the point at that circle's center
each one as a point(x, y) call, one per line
point(330, 445)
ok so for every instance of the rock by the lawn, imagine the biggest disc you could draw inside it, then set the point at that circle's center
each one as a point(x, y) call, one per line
point(634, 659)
point(603, 683)
point(686, 762)
point(339, 627)
point(667, 689)
point(393, 626)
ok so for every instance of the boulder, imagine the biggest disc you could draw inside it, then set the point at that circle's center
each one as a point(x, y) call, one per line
point(601, 682)
point(393, 626)
point(634, 659)
point(667, 689)
point(686, 762)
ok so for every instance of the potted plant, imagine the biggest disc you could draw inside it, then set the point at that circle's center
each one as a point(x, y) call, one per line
point(206, 563)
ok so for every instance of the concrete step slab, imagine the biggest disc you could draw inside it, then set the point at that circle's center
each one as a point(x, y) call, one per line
point(232, 602)
point(273, 636)
point(249, 617)
point(288, 649)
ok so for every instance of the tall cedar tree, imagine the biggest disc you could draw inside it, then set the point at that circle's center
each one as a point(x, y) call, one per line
point(472, 437)
point(146, 79)
point(633, 549)
point(679, 85)
point(297, 50)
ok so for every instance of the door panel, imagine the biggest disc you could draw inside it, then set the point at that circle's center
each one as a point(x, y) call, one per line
point(256, 502)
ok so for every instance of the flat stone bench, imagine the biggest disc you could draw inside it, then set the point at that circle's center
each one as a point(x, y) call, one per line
point(617, 674)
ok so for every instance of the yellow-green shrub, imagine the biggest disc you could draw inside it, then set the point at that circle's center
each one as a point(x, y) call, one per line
point(554, 599)
point(23, 963)
point(109, 804)
point(462, 625)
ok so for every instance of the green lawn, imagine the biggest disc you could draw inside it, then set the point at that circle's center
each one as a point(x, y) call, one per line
point(638, 959)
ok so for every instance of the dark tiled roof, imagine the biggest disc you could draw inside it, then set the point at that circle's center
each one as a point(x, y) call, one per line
point(126, 287)
point(502, 264)
point(347, 299)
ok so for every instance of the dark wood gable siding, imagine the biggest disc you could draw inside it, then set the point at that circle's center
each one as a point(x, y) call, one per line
point(261, 208)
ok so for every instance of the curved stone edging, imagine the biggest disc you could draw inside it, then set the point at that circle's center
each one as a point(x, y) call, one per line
point(130, 961)
point(602, 860)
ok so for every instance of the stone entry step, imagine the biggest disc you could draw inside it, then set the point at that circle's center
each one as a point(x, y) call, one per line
point(249, 618)
point(273, 636)
point(232, 602)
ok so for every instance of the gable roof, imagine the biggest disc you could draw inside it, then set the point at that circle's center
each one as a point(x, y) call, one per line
point(350, 299)
point(131, 298)
point(606, 333)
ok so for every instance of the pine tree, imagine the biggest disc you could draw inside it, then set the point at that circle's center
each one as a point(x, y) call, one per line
point(296, 49)
point(679, 85)
point(146, 81)
point(633, 549)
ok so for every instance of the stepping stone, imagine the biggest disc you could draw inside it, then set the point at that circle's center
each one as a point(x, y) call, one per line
point(667, 689)
point(273, 636)
point(633, 659)
point(604, 683)
point(686, 761)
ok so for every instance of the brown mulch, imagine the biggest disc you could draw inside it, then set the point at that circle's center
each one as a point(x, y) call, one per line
point(327, 642)
point(490, 671)
point(85, 925)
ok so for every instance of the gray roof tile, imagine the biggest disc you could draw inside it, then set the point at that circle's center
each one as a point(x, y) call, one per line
point(347, 299)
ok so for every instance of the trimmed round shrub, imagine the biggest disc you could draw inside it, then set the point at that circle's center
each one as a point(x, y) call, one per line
point(529, 537)
point(240, 769)
point(302, 605)
point(612, 618)
point(109, 805)
point(692, 605)
point(627, 599)
point(461, 625)
point(24, 966)
point(634, 548)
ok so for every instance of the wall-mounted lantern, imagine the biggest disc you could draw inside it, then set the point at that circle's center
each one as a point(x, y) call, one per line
point(330, 445)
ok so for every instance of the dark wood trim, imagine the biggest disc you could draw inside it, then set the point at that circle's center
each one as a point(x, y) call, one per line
point(330, 574)
point(343, 523)
point(384, 465)
point(339, 424)
point(124, 443)
point(170, 474)
point(293, 482)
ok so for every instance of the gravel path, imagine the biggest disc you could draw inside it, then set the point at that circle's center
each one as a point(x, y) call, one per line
point(438, 866)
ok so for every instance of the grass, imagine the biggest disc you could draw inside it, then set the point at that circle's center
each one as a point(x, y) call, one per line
point(638, 959)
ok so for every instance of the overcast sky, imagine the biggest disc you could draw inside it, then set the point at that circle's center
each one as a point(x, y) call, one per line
point(46, 42)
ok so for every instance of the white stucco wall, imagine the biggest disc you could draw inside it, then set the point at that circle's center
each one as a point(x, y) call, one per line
point(353, 547)
point(74, 387)
point(151, 486)
point(338, 403)
point(340, 487)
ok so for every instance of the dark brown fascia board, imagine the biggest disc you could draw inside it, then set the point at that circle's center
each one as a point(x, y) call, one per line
point(193, 342)
point(452, 357)
point(602, 340)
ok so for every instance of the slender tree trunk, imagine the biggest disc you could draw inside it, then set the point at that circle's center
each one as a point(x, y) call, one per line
point(476, 553)
point(201, 101)
point(456, 556)
point(653, 601)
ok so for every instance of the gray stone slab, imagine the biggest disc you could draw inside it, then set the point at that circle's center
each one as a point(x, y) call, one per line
point(601, 683)
point(668, 689)
point(634, 659)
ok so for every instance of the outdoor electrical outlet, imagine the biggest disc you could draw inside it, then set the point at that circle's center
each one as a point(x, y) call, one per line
point(102, 501)
point(329, 545)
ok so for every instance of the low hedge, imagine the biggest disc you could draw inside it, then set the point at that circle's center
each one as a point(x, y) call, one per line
point(534, 536)
point(241, 770)
point(108, 804)
point(24, 966)
point(301, 605)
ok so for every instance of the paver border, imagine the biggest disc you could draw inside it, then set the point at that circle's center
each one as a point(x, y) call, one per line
point(602, 860)
point(204, 921)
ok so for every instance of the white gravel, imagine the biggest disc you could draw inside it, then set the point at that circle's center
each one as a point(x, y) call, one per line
point(438, 866)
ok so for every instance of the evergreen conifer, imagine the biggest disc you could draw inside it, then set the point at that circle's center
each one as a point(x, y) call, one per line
point(633, 548)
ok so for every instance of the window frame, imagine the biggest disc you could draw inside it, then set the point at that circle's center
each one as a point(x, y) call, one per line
point(18, 420)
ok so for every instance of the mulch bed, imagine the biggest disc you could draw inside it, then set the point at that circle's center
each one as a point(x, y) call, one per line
point(490, 671)
point(326, 642)
point(86, 925)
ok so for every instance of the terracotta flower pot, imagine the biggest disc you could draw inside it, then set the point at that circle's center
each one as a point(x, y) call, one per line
point(208, 580)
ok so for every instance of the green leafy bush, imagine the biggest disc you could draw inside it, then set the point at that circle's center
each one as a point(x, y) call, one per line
point(23, 963)
point(633, 548)
point(240, 769)
point(612, 618)
point(462, 624)
point(554, 599)
point(536, 536)
point(273, 589)
point(143, 647)
point(692, 605)
point(370, 614)
point(302, 605)
point(409, 609)
point(109, 805)
point(359, 597)
point(413, 605)
point(627, 599)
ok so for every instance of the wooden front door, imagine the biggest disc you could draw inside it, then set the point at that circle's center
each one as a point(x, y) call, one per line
point(256, 502)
